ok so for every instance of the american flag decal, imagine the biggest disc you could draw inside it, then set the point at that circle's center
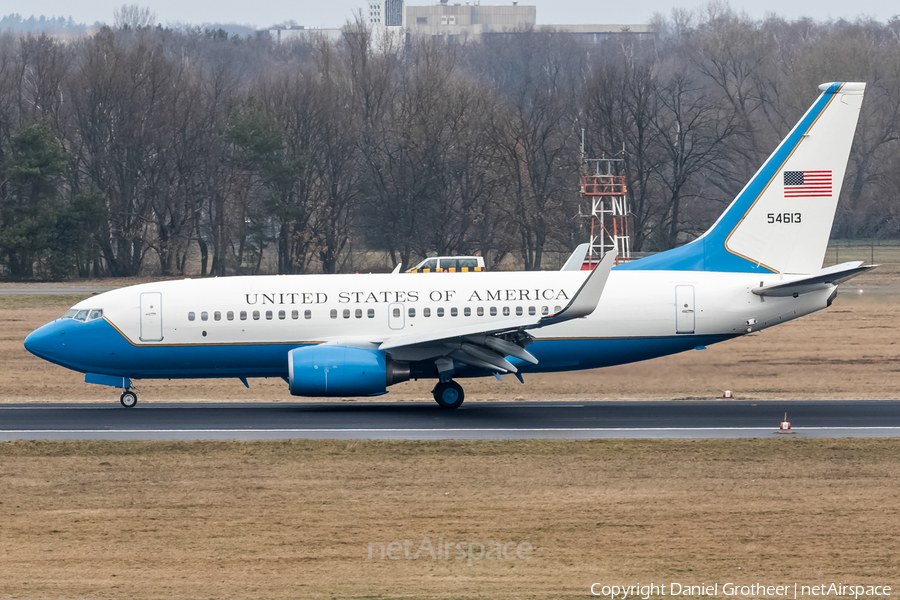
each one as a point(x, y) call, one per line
point(807, 184)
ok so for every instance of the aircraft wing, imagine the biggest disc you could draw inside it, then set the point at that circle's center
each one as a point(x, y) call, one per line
point(486, 345)
point(825, 278)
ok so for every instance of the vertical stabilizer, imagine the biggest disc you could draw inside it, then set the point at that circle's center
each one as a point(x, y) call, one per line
point(780, 222)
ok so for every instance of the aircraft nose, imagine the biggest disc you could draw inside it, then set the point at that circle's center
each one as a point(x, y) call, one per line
point(39, 342)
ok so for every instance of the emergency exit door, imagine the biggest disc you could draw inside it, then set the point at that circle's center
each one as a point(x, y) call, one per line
point(396, 318)
point(151, 317)
point(684, 309)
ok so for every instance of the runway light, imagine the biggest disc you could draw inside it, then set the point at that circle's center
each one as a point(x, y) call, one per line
point(859, 291)
point(728, 394)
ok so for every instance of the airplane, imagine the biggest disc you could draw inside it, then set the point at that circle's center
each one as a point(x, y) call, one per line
point(759, 265)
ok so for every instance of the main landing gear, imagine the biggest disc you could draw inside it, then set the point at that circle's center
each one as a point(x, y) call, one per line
point(128, 399)
point(448, 394)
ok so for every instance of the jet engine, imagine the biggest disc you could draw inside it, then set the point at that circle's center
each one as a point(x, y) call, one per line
point(323, 370)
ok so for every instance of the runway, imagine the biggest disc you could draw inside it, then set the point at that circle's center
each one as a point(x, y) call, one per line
point(426, 421)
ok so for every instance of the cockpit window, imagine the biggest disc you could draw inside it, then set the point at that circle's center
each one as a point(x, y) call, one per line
point(84, 315)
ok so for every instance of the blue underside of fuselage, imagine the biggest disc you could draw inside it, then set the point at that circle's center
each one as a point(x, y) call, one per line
point(97, 347)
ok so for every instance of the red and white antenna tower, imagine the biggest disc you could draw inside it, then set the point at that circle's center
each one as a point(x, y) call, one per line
point(609, 209)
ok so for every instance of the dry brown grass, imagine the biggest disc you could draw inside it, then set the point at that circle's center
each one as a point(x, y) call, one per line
point(849, 351)
point(293, 519)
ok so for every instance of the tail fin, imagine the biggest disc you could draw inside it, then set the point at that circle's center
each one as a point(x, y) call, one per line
point(780, 222)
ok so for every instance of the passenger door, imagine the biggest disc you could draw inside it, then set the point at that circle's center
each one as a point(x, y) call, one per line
point(151, 317)
point(684, 309)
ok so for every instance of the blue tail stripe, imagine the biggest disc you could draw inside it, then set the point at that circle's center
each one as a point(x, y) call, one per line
point(708, 252)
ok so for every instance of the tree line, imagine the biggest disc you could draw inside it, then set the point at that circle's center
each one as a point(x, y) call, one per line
point(136, 149)
point(56, 25)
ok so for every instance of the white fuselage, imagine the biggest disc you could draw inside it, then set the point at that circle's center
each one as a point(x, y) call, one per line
point(331, 308)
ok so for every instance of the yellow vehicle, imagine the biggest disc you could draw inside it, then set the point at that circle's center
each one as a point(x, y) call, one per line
point(449, 264)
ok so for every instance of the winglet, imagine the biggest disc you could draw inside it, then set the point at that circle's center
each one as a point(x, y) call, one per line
point(577, 259)
point(585, 300)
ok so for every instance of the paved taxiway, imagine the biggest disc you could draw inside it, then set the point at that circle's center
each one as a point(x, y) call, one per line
point(425, 420)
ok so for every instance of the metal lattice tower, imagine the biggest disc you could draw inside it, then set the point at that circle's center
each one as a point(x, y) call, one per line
point(609, 211)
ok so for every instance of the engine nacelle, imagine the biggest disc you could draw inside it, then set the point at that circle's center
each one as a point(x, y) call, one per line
point(322, 371)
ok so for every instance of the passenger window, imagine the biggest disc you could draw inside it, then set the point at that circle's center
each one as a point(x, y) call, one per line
point(545, 310)
point(519, 312)
point(282, 315)
point(493, 311)
point(469, 263)
point(256, 315)
point(307, 314)
point(230, 315)
point(359, 313)
point(448, 263)
point(453, 312)
point(426, 312)
point(334, 313)
point(467, 311)
point(346, 313)
point(505, 311)
point(190, 316)
point(556, 309)
point(243, 315)
point(440, 312)
point(396, 312)
point(371, 313)
point(532, 311)
point(217, 316)
point(412, 312)
point(204, 316)
point(480, 311)
point(268, 315)
point(295, 314)
point(95, 314)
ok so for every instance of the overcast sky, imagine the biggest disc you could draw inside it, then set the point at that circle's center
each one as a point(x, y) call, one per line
point(333, 13)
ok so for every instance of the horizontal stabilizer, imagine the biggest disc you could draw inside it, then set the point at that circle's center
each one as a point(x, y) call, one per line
point(825, 278)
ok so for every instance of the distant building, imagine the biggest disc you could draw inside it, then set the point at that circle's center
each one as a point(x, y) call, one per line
point(472, 21)
point(467, 20)
point(385, 13)
point(299, 32)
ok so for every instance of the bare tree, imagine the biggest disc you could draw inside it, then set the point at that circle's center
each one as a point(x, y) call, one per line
point(133, 16)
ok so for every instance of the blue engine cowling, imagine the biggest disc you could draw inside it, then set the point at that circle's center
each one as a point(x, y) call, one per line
point(322, 371)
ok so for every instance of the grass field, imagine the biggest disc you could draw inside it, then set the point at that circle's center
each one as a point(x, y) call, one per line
point(849, 351)
point(295, 519)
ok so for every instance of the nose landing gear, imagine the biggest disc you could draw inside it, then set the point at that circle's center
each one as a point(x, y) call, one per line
point(128, 399)
point(448, 394)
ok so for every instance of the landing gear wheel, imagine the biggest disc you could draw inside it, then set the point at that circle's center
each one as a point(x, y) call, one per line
point(448, 394)
point(128, 399)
